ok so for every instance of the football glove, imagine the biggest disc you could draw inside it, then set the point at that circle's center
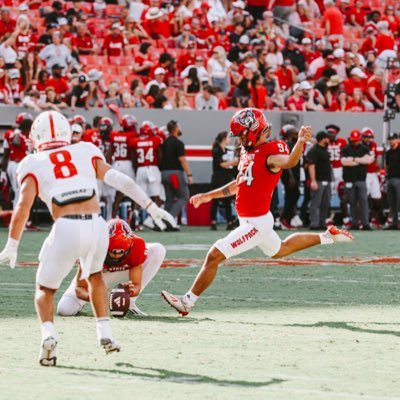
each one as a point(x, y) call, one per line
point(159, 216)
point(3, 178)
point(9, 253)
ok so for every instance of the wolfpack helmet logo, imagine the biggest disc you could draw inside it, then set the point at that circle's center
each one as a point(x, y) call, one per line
point(247, 119)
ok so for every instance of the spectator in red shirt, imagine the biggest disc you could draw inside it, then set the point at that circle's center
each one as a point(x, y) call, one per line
point(25, 40)
point(340, 104)
point(332, 21)
point(222, 39)
point(357, 14)
point(157, 24)
point(259, 93)
point(384, 39)
point(83, 42)
point(187, 58)
point(307, 51)
point(369, 42)
point(296, 102)
point(328, 64)
point(286, 75)
point(356, 81)
point(143, 60)
point(57, 81)
point(376, 89)
point(43, 77)
point(114, 45)
point(356, 103)
point(391, 18)
point(7, 24)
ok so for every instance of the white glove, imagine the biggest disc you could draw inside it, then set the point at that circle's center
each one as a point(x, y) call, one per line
point(9, 253)
point(158, 215)
point(3, 178)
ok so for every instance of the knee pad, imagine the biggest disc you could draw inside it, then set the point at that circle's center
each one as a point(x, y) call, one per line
point(69, 306)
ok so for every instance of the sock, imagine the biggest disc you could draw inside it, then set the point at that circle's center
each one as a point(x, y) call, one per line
point(103, 328)
point(132, 301)
point(325, 240)
point(48, 330)
point(191, 297)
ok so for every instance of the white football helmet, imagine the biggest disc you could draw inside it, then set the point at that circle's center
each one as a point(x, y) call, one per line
point(50, 129)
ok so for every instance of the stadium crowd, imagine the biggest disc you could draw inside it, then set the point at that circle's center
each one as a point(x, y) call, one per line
point(306, 55)
point(349, 182)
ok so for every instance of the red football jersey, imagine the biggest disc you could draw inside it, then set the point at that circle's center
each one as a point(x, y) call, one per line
point(146, 150)
point(373, 151)
point(136, 256)
point(335, 151)
point(17, 151)
point(121, 142)
point(256, 183)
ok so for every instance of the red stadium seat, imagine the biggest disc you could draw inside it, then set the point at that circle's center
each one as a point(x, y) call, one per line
point(191, 101)
point(113, 10)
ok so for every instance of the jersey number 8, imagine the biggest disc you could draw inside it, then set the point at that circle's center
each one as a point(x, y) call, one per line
point(63, 167)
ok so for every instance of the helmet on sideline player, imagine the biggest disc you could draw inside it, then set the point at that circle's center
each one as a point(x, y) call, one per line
point(146, 129)
point(24, 122)
point(77, 132)
point(50, 129)
point(248, 125)
point(79, 119)
point(121, 241)
point(367, 133)
point(129, 123)
point(105, 127)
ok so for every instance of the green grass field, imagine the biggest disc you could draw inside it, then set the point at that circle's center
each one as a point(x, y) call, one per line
point(323, 331)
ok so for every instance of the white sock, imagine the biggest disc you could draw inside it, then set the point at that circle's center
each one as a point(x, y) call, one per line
point(103, 328)
point(325, 240)
point(132, 301)
point(191, 297)
point(48, 330)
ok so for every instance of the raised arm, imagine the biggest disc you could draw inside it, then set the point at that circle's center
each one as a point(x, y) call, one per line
point(277, 162)
point(225, 191)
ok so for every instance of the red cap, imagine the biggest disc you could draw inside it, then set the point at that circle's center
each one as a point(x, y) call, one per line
point(368, 133)
point(355, 136)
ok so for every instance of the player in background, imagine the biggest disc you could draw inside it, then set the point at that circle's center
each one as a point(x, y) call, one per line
point(335, 147)
point(16, 146)
point(64, 177)
point(106, 192)
point(146, 153)
point(77, 133)
point(130, 261)
point(260, 168)
point(373, 184)
point(122, 152)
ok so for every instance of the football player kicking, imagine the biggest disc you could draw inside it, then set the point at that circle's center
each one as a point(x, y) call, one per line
point(64, 177)
point(129, 261)
point(260, 167)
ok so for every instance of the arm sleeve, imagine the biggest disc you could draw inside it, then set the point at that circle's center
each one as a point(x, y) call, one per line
point(127, 186)
point(311, 156)
point(180, 149)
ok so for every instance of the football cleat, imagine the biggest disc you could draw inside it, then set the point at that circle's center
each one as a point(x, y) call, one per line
point(110, 346)
point(180, 303)
point(47, 356)
point(338, 235)
point(135, 310)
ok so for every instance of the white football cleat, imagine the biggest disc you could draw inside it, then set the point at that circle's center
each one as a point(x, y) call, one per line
point(135, 310)
point(180, 303)
point(109, 345)
point(338, 235)
point(47, 356)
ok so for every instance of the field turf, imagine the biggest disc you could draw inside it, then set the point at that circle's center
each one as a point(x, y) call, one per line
point(317, 328)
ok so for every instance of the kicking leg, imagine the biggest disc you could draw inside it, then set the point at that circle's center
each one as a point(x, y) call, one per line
point(301, 241)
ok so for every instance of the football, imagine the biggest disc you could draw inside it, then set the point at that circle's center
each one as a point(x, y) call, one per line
point(119, 302)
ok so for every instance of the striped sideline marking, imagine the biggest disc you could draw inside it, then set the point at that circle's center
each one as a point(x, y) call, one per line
point(268, 262)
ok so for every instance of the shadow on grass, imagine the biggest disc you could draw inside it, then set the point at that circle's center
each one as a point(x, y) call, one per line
point(345, 325)
point(164, 375)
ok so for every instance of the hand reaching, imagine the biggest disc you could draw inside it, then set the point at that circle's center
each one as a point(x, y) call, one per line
point(198, 199)
point(305, 134)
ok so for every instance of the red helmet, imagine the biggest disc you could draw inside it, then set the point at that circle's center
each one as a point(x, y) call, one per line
point(355, 136)
point(79, 119)
point(147, 128)
point(23, 117)
point(248, 125)
point(121, 240)
point(367, 133)
point(129, 123)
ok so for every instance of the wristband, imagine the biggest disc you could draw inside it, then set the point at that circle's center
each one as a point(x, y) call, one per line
point(189, 175)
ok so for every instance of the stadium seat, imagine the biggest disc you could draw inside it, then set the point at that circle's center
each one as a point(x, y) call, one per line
point(113, 10)
point(191, 101)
